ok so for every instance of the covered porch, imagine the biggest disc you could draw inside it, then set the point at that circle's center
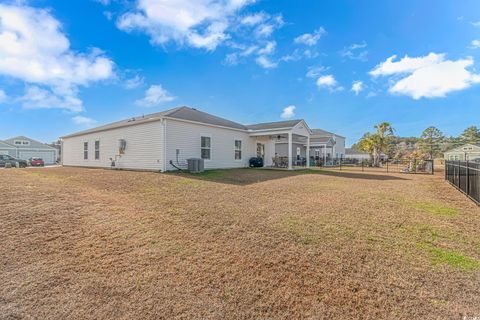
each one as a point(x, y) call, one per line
point(284, 149)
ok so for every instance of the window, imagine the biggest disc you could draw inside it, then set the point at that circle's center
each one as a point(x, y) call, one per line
point(205, 147)
point(238, 149)
point(21, 142)
point(85, 151)
point(97, 150)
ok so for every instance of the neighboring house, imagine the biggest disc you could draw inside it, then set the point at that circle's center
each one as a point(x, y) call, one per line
point(351, 153)
point(25, 148)
point(165, 140)
point(354, 154)
point(468, 152)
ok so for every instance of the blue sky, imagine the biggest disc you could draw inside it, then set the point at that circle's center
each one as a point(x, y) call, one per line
point(341, 65)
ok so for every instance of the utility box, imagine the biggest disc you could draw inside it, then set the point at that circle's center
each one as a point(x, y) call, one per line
point(196, 165)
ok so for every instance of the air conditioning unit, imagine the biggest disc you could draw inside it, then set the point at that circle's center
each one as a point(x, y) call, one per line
point(195, 165)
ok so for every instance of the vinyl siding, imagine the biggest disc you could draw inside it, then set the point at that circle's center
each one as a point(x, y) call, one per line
point(143, 151)
point(186, 137)
point(8, 151)
point(281, 149)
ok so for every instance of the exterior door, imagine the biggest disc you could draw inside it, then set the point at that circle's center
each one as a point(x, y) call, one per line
point(261, 150)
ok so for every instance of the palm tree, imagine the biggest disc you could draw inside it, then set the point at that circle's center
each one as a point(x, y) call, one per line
point(376, 143)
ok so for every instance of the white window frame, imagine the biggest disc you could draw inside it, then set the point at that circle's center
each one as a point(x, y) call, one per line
point(235, 149)
point(96, 150)
point(206, 148)
point(85, 151)
point(21, 142)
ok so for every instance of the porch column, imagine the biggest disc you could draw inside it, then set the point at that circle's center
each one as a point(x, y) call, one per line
point(308, 152)
point(289, 151)
point(324, 154)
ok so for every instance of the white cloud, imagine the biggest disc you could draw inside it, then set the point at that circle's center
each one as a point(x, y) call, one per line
point(264, 30)
point(314, 72)
point(328, 82)
point(254, 19)
point(357, 87)
point(265, 62)
point(34, 49)
point(310, 39)
point(134, 82)
point(475, 44)
point(3, 96)
point(84, 121)
point(430, 76)
point(288, 112)
point(476, 24)
point(36, 97)
point(154, 96)
point(196, 23)
point(268, 49)
point(406, 64)
point(355, 51)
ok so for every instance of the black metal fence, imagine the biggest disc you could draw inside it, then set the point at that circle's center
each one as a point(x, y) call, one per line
point(465, 176)
point(385, 165)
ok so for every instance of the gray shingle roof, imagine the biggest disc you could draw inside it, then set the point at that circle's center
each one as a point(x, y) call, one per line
point(124, 123)
point(34, 144)
point(192, 114)
point(320, 132)
point(273, 125)
point(6, 145)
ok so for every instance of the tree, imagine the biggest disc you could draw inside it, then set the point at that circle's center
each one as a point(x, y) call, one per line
point(431, 141)
point(377, 143)
point(470, 135)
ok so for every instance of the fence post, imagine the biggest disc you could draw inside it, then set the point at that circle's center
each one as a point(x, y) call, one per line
point(340, 164)
point(468, 177)
point(387, 164)
point(433, 166)
point(362, 165)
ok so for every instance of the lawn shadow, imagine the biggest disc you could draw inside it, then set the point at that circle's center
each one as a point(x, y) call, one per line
point(247, 176)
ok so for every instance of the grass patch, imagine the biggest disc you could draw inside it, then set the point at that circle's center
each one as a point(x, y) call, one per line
point(436, 209)
point(302, 229)
point(454, 259)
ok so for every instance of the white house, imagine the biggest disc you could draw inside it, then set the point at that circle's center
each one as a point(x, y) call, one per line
point(25, 148)
point(470, 152)
point(164, 141)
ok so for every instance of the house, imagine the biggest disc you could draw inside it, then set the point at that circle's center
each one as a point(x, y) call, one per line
point(164, 141)
point(351, 153)
point(25, 148)
point(468, 152)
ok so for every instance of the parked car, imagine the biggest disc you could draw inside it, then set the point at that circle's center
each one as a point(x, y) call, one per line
point(36, 162)
point(256, 162)
point(4, 159)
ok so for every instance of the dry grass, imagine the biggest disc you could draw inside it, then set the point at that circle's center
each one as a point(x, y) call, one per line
point(239, 244)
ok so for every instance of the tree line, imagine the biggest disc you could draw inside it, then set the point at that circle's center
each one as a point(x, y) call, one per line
point(431, 144)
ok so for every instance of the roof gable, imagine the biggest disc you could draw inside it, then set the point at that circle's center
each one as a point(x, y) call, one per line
point(33, 144)
point(475, 147)
point(6, 145)
point(274, 125)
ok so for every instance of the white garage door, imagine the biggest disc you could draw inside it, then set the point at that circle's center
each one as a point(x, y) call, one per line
point(47, 156)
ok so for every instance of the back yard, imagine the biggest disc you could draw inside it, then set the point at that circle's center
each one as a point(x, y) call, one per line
point(238, 244)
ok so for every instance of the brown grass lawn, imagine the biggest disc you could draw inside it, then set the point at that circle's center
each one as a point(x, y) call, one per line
point(235, 244)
